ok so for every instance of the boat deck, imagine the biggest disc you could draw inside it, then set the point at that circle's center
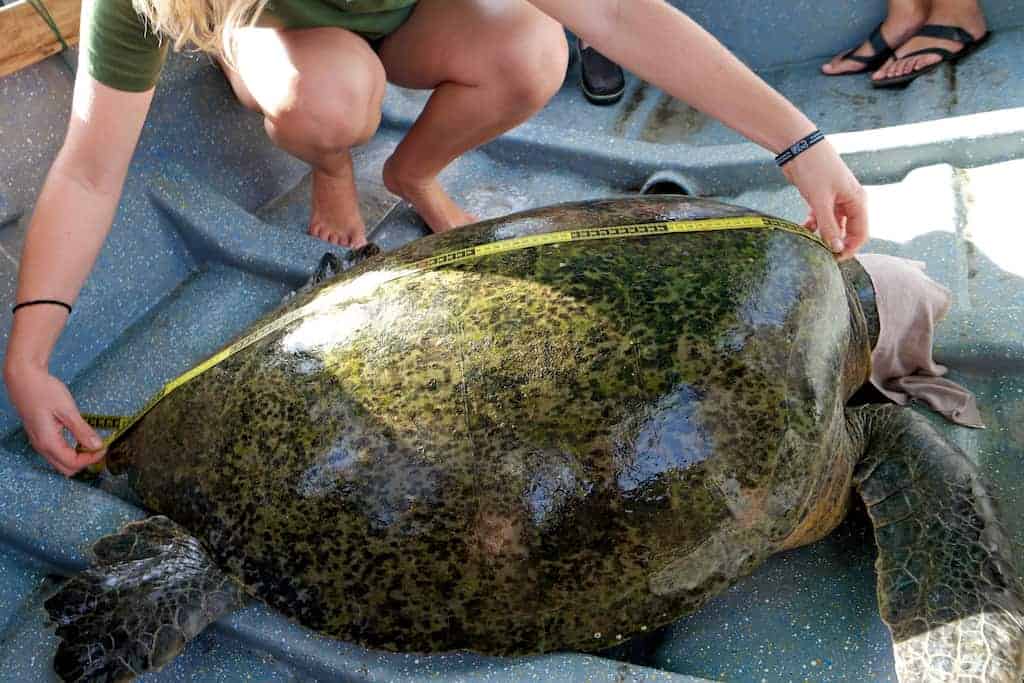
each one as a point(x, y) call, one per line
point(210, 235)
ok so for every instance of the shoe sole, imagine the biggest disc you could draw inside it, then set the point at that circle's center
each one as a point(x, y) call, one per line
point(906, 79)
point(601, 100)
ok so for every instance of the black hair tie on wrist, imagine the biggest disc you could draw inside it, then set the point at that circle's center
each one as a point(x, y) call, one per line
point(37, 302)
point(798, 148)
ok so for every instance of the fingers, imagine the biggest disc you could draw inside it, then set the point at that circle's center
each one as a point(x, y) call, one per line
point(47, 437)
point(829, 226)
point(47, 408)
point(53, 449)
point(80, 429)
point(49, 442)
point(857, 232)
point(837, 202)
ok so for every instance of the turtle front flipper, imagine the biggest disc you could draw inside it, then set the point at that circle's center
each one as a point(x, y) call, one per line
point(947, 587)
point(331, 265)
point(151, 589)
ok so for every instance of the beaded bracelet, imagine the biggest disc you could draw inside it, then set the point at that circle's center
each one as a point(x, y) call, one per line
point(36, 302)
point(799, 147)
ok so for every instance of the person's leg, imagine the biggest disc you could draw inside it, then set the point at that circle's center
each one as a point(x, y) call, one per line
point(965, 14)
point(492, 65)
point(320, 93)
point(904, 18)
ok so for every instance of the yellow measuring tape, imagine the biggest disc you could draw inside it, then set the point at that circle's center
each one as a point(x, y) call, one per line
point(119, 424)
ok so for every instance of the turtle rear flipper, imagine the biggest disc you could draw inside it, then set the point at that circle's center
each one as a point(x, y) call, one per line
point(151, 589)
point(947, 587)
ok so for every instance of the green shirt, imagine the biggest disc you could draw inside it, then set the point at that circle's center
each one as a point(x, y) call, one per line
point(126, 55)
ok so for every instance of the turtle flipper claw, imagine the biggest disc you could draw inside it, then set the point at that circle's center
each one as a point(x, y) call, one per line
point(332, 265)
point(329, 266)
point(151, 589)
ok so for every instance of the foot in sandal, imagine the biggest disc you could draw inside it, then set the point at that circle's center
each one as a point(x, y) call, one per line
point(954, 28)
point(905, 18)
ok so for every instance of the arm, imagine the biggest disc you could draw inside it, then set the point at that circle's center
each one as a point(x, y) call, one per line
point(665, 47)
point(72, 218)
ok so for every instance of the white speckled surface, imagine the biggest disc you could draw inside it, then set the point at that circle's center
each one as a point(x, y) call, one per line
point(209, 235)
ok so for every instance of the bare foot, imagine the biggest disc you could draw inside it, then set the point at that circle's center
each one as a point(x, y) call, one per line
point(335, 216)
point(966, 15)
point(901, 23)
point(431, 202)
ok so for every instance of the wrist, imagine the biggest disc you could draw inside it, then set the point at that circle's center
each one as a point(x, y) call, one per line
point(802, 145)
point(25, 354)
point(810, 164)
point(34, 333)
point(788, 135)
point(19, 375)
point(20, 364)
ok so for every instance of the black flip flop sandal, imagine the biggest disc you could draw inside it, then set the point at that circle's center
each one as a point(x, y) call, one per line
point(601, 80)
point(882, 52)
point(954, 33)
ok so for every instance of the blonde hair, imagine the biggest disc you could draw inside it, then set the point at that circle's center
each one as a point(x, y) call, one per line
point(205, 24)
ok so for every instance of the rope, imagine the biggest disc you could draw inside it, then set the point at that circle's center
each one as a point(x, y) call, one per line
point(40, 8)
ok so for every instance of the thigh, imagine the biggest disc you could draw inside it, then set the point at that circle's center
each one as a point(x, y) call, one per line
point(277, 70)
point(465, 41)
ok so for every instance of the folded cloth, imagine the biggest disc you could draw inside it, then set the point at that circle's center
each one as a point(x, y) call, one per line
point(910, 304)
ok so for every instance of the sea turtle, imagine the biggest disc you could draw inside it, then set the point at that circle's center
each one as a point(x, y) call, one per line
point(550, 447)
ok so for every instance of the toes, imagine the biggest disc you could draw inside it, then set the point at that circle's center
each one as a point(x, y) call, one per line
point(884, 71)
point(831, 68)
point(835, 67)
point(340, 239)
point(927, 60)
point(322, 233)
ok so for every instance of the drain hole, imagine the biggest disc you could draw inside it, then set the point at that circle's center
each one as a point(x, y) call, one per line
point(665, 187)
point(666, 182)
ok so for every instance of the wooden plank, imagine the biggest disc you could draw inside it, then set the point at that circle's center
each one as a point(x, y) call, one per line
point(26, 39)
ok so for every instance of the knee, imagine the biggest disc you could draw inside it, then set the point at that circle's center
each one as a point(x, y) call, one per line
point(531, 70)
point(330, 110)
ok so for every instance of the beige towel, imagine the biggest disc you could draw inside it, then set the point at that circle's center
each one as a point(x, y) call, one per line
point(910, 304)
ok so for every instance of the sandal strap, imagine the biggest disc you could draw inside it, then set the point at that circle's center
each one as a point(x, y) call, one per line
point(881, 51)
point(954, 33)
point(942, 52)
point(857, 58)
point(877, 41)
